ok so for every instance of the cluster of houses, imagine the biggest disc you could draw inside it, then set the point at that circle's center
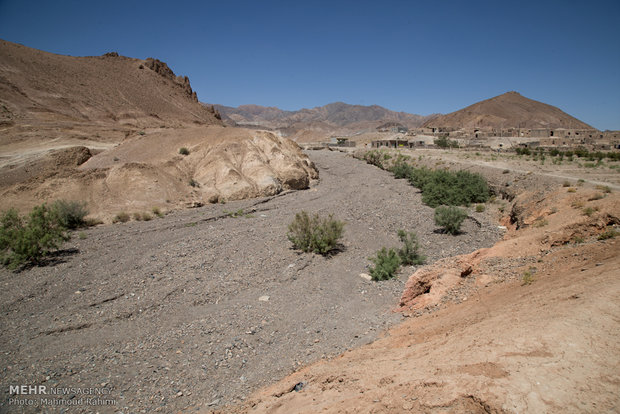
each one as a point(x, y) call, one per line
point(504, 138)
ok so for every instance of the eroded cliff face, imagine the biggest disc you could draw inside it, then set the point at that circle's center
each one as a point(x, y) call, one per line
point(147, 171)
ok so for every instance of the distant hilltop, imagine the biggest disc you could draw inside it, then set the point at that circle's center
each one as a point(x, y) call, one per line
point(510, 110)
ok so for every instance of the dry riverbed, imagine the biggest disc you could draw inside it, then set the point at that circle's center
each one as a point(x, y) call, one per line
point(200, 308)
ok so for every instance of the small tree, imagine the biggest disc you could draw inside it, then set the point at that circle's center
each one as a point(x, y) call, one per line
point(315, 234)
point(450, 218)
point(29, 240)
point(183, 151)
point(386, 264)
point(409, 253)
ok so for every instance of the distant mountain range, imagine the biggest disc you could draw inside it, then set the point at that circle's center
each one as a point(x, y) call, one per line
point(336, 116)
point(509, 110)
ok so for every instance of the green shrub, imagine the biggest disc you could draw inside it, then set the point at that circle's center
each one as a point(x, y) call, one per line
point(29, 240)
point(588, 211)
point(444, 142)
point(409, 253)
point(401, 170)
point(450, 218)
point(608, 234)
point(480, 208)
point(450, 188)
point(183, 151)
point(315, 234)
point(157, 212)
point(528, 277)
point(386, 264)
point(374, 158)
point(121, 217)
point(70, 214)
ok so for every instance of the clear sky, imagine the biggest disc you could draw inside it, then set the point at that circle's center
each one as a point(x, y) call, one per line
point(415, 56)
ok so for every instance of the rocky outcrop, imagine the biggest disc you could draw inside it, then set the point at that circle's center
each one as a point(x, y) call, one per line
point(428, 285)
point(162, 69)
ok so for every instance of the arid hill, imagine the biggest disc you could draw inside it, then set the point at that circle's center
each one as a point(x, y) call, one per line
point(322, 121)
point(510, 110)
point(40, 88)
point(108, 130)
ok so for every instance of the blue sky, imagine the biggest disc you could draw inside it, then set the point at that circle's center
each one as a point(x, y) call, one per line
point(415, 56)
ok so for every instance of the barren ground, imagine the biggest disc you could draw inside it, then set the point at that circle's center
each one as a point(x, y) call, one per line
point(167, 313)
point(492, 343)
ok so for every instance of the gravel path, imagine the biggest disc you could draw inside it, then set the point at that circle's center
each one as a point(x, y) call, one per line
point(167, 314)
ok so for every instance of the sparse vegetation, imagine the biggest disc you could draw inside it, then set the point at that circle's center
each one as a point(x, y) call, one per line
point(157, 212)
point(28, 240)
point(193, 183)
point(578, 240)
point(444, 187)
point(386, 265)
point(566, 184)
point(572, 190)
point(610, 233)
point(444, 142)
point(603, 188)
point(374, 158)
point(540, 222)
point(578, 204)
point(450, 218)
point(121, 217)
point(183, 151)
point(315, 234)
point(528, 277)
point(238, 213)
point(70, 214)
point(409, 253)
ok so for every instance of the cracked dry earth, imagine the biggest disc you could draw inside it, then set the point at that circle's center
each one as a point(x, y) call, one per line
point(199, 309)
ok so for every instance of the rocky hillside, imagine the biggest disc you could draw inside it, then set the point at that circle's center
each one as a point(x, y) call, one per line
point(108, 129)
point(39, 88)
point(510, 110)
